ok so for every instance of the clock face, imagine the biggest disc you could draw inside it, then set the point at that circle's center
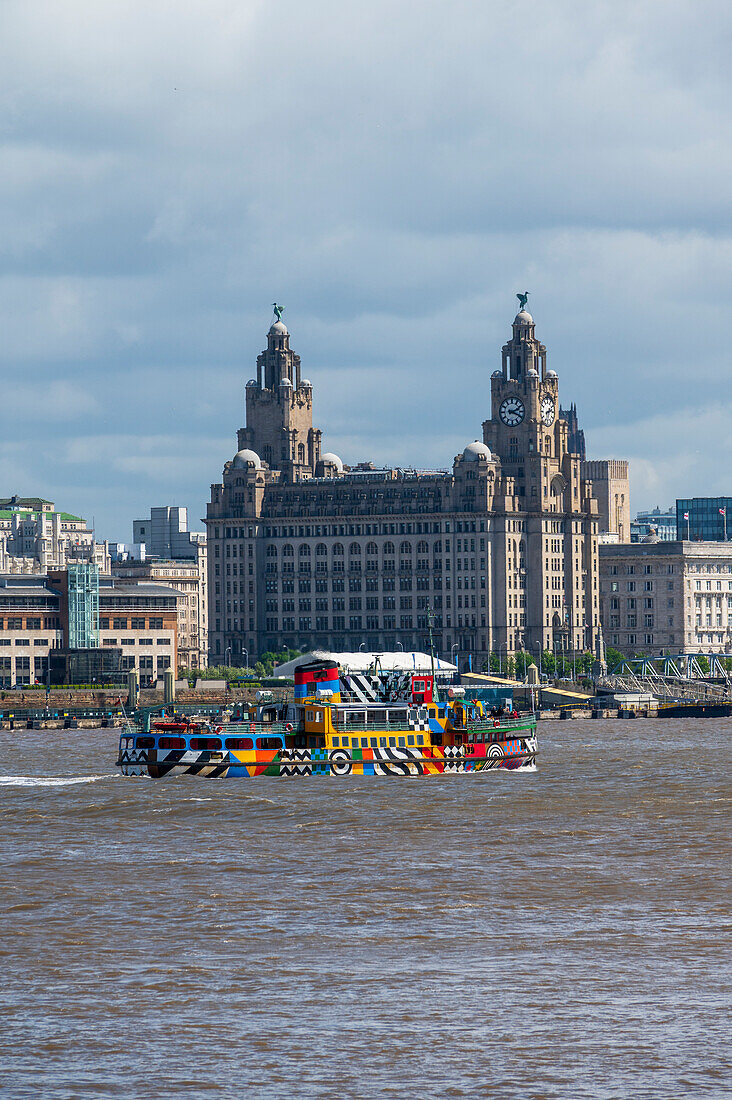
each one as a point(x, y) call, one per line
point(547, 411)
point(511, 411)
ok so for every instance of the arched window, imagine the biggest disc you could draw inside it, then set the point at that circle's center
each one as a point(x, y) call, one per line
point(287, 551)
point(354, 548)
point(338, 548)
point(321, 550)
point(388, 547)
point(271, 551)
point(422, 548)
point(304, 550)
point(372, 548)
point(301, 453)
point(405, 548)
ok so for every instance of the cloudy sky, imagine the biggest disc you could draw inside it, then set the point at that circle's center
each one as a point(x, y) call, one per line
point(393, 173)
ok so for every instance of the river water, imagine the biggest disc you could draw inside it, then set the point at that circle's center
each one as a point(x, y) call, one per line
point(558, 934)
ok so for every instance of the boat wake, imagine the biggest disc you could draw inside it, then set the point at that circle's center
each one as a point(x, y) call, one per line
point(48, 780)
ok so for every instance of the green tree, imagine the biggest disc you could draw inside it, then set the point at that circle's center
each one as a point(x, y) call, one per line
point(522, 662)
point(614, 659)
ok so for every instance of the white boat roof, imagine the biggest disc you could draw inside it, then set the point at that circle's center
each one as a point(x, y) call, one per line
point(409, 661)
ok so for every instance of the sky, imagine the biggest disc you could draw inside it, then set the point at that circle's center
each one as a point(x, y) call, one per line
point(393, 173)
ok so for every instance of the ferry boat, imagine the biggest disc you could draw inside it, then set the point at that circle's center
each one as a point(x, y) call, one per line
point(328, 729)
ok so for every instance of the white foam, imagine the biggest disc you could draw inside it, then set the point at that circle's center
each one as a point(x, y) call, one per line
point(47, 780)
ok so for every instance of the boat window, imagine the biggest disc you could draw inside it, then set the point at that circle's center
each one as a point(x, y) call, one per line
point(269, 742)
point(318, 717)
point(308, 716)
point(401, 743)
point(336, 742)
point(239, 743)
point(392, 742)
point(205, 742)
point(410, 739)
point(382, 742)
point(436, 738)
point(398, 715)
point(420, 740)
point(345, 741)
point(172, 743)
point(145, 743)
point(364, 742)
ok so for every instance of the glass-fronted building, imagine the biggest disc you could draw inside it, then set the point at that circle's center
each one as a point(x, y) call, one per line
point(710, 519)
point(663, 523)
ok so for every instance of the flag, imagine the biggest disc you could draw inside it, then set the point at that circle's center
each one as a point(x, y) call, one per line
point(686, 515)
point(470, 662)
point(723, 511)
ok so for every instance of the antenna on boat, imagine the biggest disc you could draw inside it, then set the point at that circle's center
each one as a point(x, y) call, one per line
point(430, 617)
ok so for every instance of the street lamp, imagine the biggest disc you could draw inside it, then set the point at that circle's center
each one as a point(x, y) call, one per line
point(400, 645)
point(227, 656)
point(453, 647)
point(360, 644)
point(246, 652)
point(539, 647)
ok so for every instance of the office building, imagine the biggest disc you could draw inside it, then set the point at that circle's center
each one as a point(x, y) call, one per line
point(708, 519)
point(77, 619)
point(662, 524)
point(667, 597)
point(499, 551)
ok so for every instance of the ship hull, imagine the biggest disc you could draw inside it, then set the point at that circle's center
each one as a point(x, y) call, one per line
point(515, 753)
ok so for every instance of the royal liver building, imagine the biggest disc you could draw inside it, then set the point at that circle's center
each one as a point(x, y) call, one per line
point(500, 552)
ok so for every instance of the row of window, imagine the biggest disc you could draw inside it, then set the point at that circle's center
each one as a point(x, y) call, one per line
point(152, 622)
point(434, 527)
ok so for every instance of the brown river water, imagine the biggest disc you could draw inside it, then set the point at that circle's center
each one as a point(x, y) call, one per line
point(558, 934)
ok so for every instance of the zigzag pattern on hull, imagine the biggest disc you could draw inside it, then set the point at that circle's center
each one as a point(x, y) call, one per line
point(190, 762)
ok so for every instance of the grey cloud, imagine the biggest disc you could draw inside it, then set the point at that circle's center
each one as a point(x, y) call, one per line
point(393, 173)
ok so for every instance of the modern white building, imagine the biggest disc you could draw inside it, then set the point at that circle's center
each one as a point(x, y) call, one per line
point(163, 550)
point(165, 534)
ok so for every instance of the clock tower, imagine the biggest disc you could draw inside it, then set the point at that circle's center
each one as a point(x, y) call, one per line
point(552, 566)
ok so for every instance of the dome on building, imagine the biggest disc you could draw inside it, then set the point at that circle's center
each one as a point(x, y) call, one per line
point(285, 382)
point(332, 460)
point(523, 317)
point(532, 372)
point(244, 460)
point(251, 382)
point(306, 382)
point(497, 374)
point(552, 374)
point(475, 451)
point(279, 328)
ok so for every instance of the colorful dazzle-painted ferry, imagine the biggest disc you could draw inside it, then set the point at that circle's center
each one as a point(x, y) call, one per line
point(329, 729)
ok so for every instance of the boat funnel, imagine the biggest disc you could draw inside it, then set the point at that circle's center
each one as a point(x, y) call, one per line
point(317, 679)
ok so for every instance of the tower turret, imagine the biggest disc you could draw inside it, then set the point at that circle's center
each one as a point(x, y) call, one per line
point(279, 409)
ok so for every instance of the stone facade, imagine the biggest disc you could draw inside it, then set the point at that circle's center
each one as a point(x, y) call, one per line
point(670, 597)
point(190, 579)
point(279, 411)
point(500, 551)
point(35, 537)
point(611, 489)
